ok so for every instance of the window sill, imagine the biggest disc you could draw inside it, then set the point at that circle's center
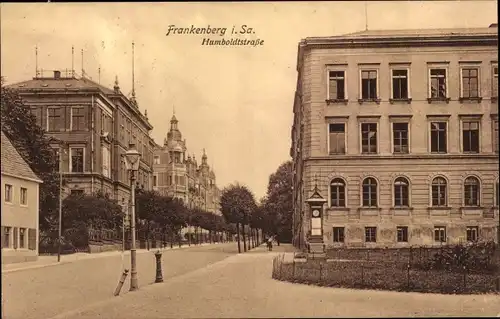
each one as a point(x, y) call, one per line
point(439, 208)
point(336, 154)
point(344, 209)
point(401, 208)
point(24, 206)
point(336, 101)
point(365, 153)
point(377, 101)
point(400, 153)
point(408, 100)
point(438, 99)
point(471, 153)
point(470, 99)
point(439, 153)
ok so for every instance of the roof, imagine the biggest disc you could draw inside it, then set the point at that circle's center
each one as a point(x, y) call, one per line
point(417, 33)
point(61, 83)
point(13, 164)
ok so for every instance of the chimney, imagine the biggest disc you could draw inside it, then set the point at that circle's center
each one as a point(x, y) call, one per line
point(57, 74)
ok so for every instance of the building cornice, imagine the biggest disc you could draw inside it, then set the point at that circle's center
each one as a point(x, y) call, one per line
point(39, 181)
point(361, 159)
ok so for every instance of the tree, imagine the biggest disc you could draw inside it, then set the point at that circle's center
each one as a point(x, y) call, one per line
point(30, 140)
point(89, 212)
point(237, 205)
point(278, 204)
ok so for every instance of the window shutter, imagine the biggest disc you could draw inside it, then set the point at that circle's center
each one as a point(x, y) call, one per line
point(32, 239)
point(14, 239)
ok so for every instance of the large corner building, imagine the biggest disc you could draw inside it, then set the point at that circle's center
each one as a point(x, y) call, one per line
point(397, 133)
point(96, 125)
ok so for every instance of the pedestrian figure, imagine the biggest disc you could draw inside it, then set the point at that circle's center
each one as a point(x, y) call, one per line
point(270, 243)
point(277, 240)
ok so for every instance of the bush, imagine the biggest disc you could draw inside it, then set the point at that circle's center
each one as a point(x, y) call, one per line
point(382, 275)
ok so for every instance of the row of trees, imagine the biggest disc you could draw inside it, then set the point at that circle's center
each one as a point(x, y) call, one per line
point(242, 215)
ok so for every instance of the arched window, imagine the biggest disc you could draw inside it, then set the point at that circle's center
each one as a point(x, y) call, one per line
point(471, 191)
point(401, 192)
point(439, 197)
point(369, 192)
point(337, 193)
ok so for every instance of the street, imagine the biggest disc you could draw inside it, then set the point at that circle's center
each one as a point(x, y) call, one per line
point(241, 287)
point(46, 292)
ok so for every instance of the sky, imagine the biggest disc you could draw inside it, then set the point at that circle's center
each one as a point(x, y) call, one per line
point(236, 102)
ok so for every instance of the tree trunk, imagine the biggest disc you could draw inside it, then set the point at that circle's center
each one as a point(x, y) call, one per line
point(210, 236)
point(180, 237)
point(257, 235)
point(171, 237)
point(238, 233)
point(189, 235)
point(244, 237)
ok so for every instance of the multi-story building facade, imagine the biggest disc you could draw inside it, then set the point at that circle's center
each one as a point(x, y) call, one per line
point(398, 131)
point(96, 126)
point(180, 176)
point(20, 192)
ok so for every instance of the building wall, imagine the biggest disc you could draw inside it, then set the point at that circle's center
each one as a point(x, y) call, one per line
point(314, 165)
point(16, 216)
point(103, 114)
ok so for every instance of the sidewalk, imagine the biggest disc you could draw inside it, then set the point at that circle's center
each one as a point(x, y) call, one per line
point(47, 261)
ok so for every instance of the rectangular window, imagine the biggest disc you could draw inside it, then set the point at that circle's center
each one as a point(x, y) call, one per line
point(369, 84)
point(368, 138)
point(337, 138)
point(76, 159)
point(54, 119)
point(495, 136)
point(400, 84)
point(371, 234)
point(106, 162)
point(470, 136)
point(494, 91)
point(470, 82)
point(438, 137)
point(472, 233)
point(155, 180)
point(440, 234)
point(77, 192)
point(157, 159)
point(22, 238)
point(438, 84)
point(78, 119)
point(338, 234)
point(400, 136)
point(6, 237)
point(402, 234)
point(336, 85)
point(8, 193)
point(23, 198)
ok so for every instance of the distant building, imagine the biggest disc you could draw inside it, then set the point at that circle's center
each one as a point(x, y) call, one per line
point(96, 124)
point(20, 191)
point(180, 176)
point(398, 130)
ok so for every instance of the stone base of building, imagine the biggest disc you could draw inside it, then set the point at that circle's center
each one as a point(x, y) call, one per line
point(18, 257)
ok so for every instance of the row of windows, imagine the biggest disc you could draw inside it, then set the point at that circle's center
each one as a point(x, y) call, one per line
point(401, 192)
point(79, 122)
point(77, 164)
point(402, 235)
point(400, 131)
point(9, 195)
point(18, 238)
point(369, 87)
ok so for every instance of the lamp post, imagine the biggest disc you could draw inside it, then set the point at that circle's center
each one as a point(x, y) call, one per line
point(132, 161)
point(59, 238)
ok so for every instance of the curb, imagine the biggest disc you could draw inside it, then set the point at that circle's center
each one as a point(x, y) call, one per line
point(97, 256)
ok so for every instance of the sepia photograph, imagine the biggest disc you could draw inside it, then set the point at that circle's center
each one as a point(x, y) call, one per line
point(265, 159)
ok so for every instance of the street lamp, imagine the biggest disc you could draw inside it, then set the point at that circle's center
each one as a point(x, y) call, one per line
point(59, 239)
point(132, 161)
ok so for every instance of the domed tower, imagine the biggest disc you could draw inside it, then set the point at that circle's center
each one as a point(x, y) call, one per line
point(174, 134)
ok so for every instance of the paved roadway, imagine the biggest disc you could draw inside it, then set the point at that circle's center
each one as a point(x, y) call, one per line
point(45, 292)
point(241, 287)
